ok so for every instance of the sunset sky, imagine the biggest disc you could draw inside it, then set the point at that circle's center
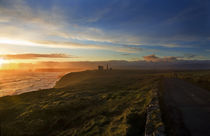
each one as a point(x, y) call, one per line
point(99, 30)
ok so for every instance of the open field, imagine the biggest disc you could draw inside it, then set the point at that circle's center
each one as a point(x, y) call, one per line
point(83, 103)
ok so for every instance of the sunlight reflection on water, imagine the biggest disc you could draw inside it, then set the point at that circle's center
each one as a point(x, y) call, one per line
point(17, 83)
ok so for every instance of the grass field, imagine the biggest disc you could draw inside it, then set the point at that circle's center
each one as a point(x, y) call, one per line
point(84, 103)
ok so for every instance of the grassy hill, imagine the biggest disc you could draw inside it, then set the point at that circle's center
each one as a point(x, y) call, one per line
point(82, 103)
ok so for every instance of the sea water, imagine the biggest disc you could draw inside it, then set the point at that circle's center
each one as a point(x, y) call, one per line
point(21, 82)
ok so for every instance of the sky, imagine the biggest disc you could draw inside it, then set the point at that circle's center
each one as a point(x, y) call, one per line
point(33, 31)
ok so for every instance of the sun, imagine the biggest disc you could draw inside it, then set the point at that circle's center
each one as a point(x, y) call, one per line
point(2, 61)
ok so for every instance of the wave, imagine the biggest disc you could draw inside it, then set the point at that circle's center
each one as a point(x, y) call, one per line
point(17, 83)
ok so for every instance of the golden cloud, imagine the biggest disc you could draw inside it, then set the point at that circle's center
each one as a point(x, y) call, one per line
point(154, 58)
point(34, 56)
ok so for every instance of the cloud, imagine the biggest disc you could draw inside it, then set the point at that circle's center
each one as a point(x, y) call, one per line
point(71, 45)
point(19, 20)
point(154, 58)
point(125, 54)
point(188, 56)
point(116, 48)
point(36, 24)
point(34, 56)
point(38, 27)
point(19, 11)
point(114, 26)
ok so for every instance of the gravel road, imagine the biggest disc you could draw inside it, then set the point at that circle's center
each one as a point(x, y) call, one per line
point(192, 106)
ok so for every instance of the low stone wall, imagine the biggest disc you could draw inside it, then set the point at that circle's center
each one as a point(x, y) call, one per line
point(154, 125)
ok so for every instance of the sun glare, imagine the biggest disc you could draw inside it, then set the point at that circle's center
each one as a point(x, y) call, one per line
point(15, 42)
point(2, 61)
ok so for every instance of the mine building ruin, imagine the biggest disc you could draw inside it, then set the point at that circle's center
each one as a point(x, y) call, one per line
point(100, 68)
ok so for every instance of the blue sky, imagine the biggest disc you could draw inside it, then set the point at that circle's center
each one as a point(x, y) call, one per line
point(97, 30)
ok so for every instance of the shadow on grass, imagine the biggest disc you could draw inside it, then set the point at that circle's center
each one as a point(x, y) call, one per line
point(137, 124)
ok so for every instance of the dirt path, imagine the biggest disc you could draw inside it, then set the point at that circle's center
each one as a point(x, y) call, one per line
point(189, 107)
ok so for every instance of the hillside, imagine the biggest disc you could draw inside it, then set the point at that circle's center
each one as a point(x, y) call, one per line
point(82, 103)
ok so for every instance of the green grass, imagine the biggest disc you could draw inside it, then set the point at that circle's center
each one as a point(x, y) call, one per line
point(82, 104)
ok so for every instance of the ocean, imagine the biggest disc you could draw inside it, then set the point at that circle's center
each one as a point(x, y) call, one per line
point(21, 82)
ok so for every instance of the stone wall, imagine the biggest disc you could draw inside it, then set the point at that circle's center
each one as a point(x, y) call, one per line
point(154, 125)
